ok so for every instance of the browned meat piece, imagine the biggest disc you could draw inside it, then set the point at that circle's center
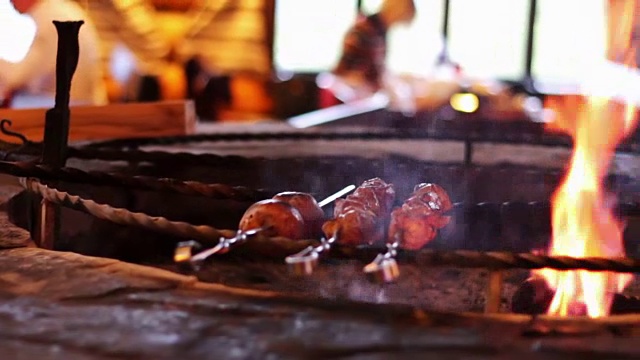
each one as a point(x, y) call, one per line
point(357, 227)
point(308, 207)
point(416, 207)
point(412, 230)
point(385, 193)
point(363, 215)
point(277, 218)
point(418, 220)
point(434, 196)
point(363, 201)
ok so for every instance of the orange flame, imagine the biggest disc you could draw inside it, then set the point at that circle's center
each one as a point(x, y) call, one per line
point(582, 222)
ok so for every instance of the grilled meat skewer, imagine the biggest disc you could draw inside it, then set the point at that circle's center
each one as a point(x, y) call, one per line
point(363, 215)
point(294, 215)
point(275, 218)
point(412, 226)
point(308, 207)
point(418, 220)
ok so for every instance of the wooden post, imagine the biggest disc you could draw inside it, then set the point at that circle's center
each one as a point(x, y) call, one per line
point(494, 292)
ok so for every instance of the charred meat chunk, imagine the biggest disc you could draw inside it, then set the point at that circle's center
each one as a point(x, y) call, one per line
point(418, 220)
point(362, 216)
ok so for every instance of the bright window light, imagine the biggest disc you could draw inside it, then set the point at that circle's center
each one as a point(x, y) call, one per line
point(309, 33)
point(569, 34)
point(488, 37)
point(16, 33)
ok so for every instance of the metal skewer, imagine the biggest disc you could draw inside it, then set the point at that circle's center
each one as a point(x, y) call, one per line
point(184, 253)
point(384, 268)
point(336, 196)
point(306, 261)
point(223, 246)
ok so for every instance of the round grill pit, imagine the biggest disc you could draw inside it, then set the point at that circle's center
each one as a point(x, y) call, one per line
point(500, 207)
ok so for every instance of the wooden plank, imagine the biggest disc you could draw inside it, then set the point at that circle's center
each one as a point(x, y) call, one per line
point(164, 118)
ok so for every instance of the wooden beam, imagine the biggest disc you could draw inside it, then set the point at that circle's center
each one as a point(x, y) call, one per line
point(165, 118)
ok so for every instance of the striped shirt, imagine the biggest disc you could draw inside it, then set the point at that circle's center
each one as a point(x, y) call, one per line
point(130, 22)
point(228, 35)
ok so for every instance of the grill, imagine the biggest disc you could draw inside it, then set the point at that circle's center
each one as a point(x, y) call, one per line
point(486, 218)
point(136, 199)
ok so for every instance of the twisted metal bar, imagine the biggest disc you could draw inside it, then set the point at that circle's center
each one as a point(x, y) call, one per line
point(183, 158)
point(459, 258)
point(124, 216)
point(506, 260)
point(68, 174)
point(454, 134)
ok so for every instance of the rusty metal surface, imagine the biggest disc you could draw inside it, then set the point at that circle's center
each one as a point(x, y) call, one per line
point(220, 191)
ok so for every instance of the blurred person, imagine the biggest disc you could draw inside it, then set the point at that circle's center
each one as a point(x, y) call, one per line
point(135, 52)
point(361, 69)
point(34, 77)
point(216, 24)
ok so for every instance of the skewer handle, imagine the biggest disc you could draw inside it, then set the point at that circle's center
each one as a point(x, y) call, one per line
point(304, 262)
point(184, 251)
point(307, 260)
point(384, 268)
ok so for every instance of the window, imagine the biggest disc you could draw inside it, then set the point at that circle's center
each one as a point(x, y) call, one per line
point(567, 34)
point(414, 48)
point(488, 37)
point(16, 33)
point(308, 33)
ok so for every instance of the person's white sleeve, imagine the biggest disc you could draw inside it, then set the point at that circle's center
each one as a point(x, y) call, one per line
point(39, 61)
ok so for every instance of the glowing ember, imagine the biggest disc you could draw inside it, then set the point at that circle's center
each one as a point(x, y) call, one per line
point(583, 224)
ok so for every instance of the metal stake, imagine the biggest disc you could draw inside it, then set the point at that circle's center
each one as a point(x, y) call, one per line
point(56, 127)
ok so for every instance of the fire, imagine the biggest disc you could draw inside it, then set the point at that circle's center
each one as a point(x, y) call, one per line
point(582, 221)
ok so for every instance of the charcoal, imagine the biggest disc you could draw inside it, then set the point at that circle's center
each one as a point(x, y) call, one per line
point(534, 297)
